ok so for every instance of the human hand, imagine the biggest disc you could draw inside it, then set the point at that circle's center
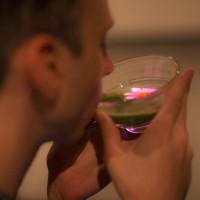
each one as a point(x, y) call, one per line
point(157, 165)
point(77, 171)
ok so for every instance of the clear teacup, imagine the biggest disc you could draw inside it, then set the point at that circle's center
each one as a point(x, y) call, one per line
point(134, 92)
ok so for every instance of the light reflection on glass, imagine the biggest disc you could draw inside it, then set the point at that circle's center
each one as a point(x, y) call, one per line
point(138, 93)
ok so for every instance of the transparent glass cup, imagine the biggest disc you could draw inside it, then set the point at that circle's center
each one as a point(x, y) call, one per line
point(134, 92)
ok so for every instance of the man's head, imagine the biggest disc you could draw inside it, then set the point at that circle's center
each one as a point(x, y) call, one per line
point(57, 58)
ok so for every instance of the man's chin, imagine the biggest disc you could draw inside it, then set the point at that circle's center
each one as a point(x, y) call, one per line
point(78, 134)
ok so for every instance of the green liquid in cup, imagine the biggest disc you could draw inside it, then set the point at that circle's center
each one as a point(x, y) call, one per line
point(136, 90)
point(130, 111)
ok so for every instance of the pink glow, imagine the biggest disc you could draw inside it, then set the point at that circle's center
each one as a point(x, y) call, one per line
point(138, 93)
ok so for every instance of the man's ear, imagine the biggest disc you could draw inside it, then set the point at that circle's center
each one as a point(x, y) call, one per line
point(43, 67)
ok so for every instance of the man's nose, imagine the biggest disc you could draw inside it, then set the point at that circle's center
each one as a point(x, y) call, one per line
point(109, 66)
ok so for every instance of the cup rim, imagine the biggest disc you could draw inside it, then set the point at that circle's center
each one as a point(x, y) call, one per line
point(132, 59)
point(172, 59)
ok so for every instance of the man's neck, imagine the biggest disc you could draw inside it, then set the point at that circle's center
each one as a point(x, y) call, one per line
point(17, 141)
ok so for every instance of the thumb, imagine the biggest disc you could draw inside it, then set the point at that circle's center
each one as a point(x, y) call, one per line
point(111, 134)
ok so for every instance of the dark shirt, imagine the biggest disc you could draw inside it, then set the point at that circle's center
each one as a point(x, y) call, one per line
point(3, 196)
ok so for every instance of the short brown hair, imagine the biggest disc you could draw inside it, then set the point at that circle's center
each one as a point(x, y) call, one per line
point(22, 19)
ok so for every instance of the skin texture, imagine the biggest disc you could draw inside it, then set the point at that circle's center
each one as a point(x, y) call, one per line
point(85, 156)
point(138, 168)
point(77, 171)
point(157, 165)
point(161, 156)
point(44, 96)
